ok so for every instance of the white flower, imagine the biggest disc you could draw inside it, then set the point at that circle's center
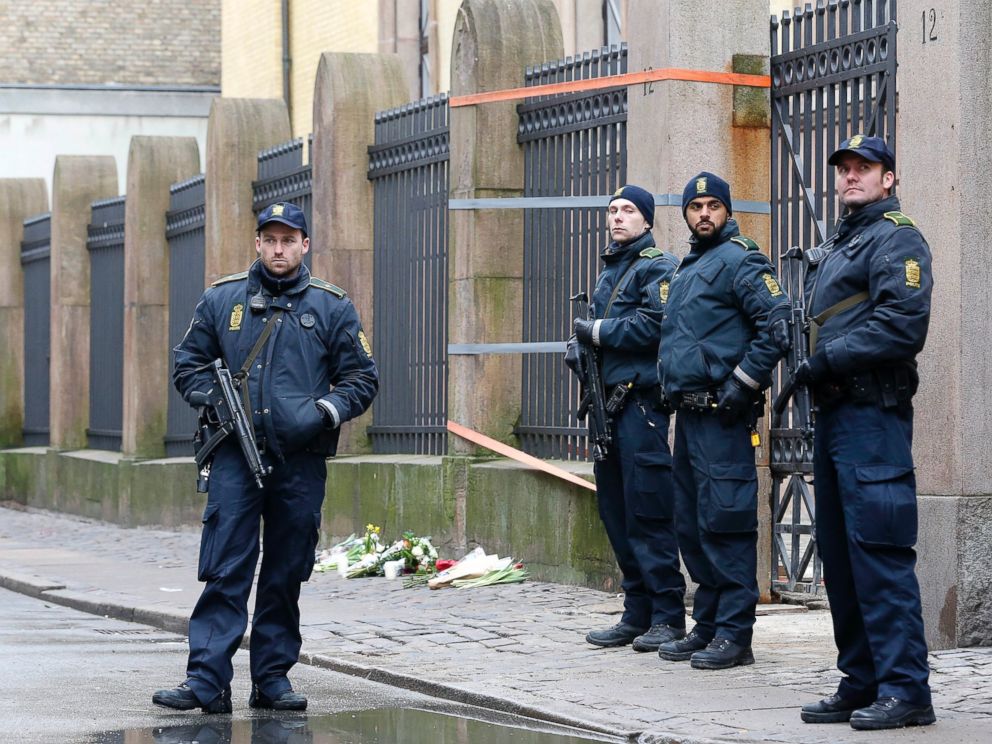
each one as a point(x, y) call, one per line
point(417, 551)
point(433, 553)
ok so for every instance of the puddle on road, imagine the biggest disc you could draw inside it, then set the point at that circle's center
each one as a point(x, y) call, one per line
point(381, 726)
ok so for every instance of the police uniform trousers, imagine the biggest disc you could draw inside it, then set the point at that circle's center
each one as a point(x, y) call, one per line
point(716, 498)
point(866, 525)
point(634, 493)
point(289, 508)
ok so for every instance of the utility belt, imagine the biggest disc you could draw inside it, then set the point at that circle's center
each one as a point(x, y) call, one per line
point(888, 387)
point(620, 393)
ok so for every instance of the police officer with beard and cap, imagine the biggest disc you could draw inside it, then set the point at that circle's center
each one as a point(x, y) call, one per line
point(634, 482)
point(297, 344)
point(868, 297)
point(724, 329)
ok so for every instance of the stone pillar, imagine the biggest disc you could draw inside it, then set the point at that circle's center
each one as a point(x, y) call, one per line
point(79, 180)
point(238, 128)
point(153, 164)
point(20, 198)
point(349, 90)
point(944, 178)
point(493, 42)
point(676, 129)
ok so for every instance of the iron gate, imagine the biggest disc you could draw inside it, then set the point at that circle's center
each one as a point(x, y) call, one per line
point(36, 263)
point(282, 177)
point(408, 166)
point(833, 72)
point(575, 145)
point(184, 229)
point(105, 243)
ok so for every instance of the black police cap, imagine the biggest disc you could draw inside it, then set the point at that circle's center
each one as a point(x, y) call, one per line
point(873, 149)
point(284, 212)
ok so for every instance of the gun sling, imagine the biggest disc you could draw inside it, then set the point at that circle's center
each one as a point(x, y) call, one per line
point(817, 322)
point(242, 374)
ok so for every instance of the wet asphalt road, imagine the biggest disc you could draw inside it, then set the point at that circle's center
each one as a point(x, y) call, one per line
point(65, 675)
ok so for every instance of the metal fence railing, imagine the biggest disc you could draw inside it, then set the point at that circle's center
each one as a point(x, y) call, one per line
point(282, 177)
point(36, 263)
point(184, 229)
point(105, 243)
point(575, 145)
point(408, 166)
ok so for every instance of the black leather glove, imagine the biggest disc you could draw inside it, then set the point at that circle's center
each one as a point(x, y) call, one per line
point(572, 359)
point(781, 335)
point(812, 370)
point(734, 399)
point(326, 417)
point(583, 330)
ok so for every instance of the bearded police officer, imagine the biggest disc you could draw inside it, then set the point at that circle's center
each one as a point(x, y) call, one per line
point(291, 338)
point(868, 298)
point(634, 481)
point(724, 329)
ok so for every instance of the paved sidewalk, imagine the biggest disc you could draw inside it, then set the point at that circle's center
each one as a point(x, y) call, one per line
point(516, 648)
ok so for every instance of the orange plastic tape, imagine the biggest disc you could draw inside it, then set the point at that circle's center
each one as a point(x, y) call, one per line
point(514, 454)
point(613, 81)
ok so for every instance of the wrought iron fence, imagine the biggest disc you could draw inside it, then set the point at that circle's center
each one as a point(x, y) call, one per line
point(36, 263)
point(408, 166)
point(833, 74)
point(282, 177)
point(105, 243)
point(184, 229)
point(575, 145)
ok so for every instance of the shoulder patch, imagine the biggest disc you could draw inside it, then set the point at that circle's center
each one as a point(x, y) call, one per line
point(651, 253)
point(327, 287)
point(899, 219)
point(230, 278)
point(745, 242)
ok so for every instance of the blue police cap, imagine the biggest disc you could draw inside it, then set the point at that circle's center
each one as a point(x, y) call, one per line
point(286, 213)
point(641, 198)
point(870, 148)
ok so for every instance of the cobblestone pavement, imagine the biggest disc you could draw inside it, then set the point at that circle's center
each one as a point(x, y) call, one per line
point(516, 648)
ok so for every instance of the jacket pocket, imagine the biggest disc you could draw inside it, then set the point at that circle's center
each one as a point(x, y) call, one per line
point(653, 485)
point(732, 498)
point(886, 505)
point(209, 539)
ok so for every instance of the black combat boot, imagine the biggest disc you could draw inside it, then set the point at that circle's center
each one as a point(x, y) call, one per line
point(619, 635)
point(889, 713)
point(722, 653)
point(682, 649)
point(833, 709)
point(658, 635)
point(286, 700)
point(183, 698)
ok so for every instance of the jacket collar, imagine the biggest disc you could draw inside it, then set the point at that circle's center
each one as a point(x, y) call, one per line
point(292, 287)
point(865, 216)
point(728, 231)
point(615, 252)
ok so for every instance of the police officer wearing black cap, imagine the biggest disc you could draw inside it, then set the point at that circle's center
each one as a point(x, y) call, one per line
point(312, 373)
point(725, 327)
point(634, 482)
point(868, 297)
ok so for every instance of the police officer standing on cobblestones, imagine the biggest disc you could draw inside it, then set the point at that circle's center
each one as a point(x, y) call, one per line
point(292, 338)
point(868, 298)
point(634, 481)
point(725, 327)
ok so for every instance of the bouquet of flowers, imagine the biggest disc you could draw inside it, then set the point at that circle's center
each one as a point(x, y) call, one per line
point(330, 559)
point(419, 555)
point(478, 569)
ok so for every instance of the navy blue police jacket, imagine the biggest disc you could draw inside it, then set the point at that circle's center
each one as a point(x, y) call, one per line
point(721, 304)
point(316, 350)
point(629, 299)
point(877, 250)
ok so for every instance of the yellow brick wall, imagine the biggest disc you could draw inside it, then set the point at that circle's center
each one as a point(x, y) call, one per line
point(251, 49)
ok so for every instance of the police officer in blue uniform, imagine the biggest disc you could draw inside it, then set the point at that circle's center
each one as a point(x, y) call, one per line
point(725, 327)
point(316, 343)
point(634, 482)
point(868, 297)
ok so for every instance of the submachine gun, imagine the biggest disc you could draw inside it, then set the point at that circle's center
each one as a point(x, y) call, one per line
point(802, 405)
point(593, 404)
point(221, 413)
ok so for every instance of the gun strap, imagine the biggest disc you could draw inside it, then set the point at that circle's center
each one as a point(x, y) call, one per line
point(619, 284)
point(817, 322)
point(242, 374)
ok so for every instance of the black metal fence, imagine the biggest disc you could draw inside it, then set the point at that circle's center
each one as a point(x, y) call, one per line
point(408, 165)
point(36, 263)
point(105, 243)
point(833, 72)
point(282, 177)
point(575, 145)
point(184, 229)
